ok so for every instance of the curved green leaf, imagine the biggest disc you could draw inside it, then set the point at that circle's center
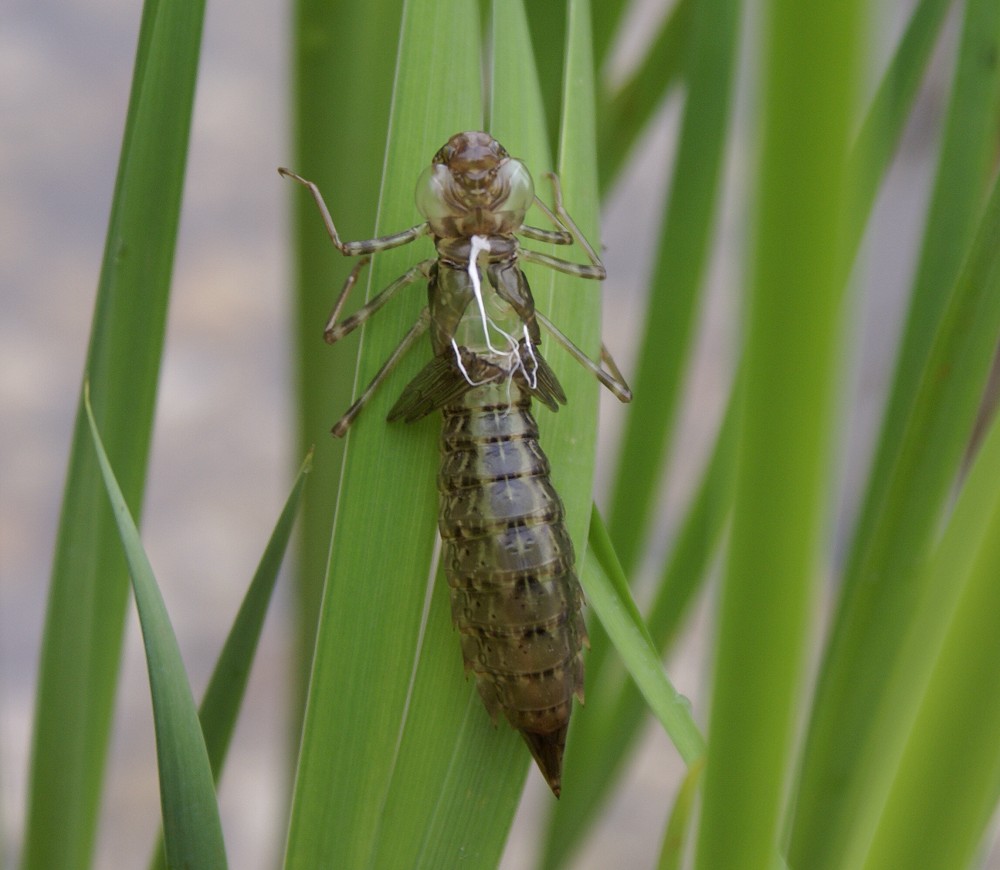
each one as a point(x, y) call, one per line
point(608, 593)
point(191, 826)
point(227, 685)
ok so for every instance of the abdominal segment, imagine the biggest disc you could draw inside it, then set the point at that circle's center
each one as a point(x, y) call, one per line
point(509, 562)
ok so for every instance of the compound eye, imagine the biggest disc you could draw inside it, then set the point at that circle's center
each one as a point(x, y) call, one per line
point(521, 190)
point(431, 193)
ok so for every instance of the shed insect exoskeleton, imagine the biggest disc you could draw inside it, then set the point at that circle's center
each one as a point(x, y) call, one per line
point(509, 561)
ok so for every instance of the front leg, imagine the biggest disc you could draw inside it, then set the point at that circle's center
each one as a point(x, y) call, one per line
point(353, 249)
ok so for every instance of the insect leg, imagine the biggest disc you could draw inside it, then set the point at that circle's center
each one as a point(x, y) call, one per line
point(560, 265)
point(419, 328)
point(353, 249)
point(551, 237)
point(334, 331)
point(612, 378)
point(345, 291)
point(567, 232)
point(564, 221)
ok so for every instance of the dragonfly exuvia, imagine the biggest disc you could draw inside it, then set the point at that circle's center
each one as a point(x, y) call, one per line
point(515, 598)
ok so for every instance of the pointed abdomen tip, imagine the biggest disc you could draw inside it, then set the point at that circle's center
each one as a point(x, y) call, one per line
point(547, 750)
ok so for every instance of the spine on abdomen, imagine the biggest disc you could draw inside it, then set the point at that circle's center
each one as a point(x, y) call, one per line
point(509, 562)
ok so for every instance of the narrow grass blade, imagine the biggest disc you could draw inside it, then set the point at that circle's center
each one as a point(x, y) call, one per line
point(884, 122)
point(192, 830)
point(586, 786)
point(381, 556)
point(945, 790)
point(679, 825)
point(932, 448)
point(616, 711)
point(699, 538)
point(941, 371)
point(678, 274)
point(224, 695)
point(547, 23)
point(947, 574)
point(83, 629)
point(807, 87)
point(343, 74)
point(576, 305)
point(683, 252)
point(609, 597)
point(607, 19)
point(569, 437)
point(626, 112)
point(227, 685)
point(608, 593)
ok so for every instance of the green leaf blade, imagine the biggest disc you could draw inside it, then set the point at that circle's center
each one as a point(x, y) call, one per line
point(787, 394)
point(609, 592)
point(945, 789)
point(677, 280)
point(951, 327)
point(384, 529)
point(344, 66)
point(627, 113)
point(931, 453)
point(192, 829)
point(80, 656)
point(227, 686)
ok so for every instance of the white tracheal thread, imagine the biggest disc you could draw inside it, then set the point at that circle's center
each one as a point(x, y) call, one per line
point(461, 366)
point(533, 377)
point(512, 357)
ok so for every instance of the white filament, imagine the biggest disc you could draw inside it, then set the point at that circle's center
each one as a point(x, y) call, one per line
point(462, 369)
point(480, 244)
point(512, 357)
point(533, 376)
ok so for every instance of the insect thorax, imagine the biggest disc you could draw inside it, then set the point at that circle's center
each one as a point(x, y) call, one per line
point(480, 300)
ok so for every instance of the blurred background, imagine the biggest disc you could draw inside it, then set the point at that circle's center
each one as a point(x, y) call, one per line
point(222, 456)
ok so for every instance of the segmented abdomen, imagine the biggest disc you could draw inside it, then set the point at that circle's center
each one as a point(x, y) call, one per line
point(509, 561)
